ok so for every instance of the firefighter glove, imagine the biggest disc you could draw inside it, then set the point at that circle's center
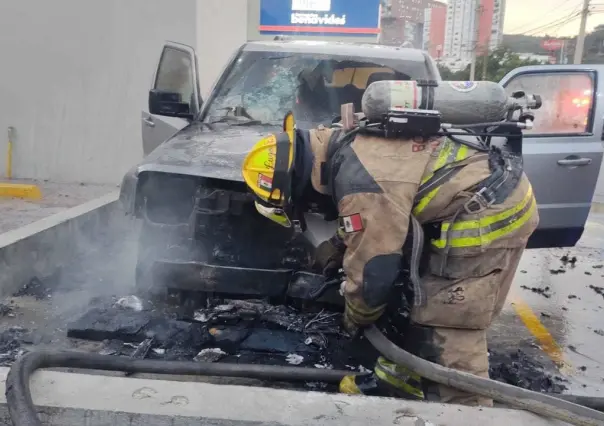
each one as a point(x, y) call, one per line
point(328, 258)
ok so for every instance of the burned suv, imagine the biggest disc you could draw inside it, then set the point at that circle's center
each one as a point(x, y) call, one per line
point(199, 228)
point(200, 231)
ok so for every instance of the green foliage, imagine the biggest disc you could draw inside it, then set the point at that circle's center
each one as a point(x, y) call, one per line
point(499, 63)
point(593, 51)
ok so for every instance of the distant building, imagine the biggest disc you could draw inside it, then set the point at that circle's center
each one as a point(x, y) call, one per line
point(435, 19)
point(472, 25)
point(403, 21)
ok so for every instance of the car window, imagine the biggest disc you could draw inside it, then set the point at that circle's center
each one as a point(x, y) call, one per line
point(357, 76)
point(175, 73)
point(567, 101)
point(266, 85)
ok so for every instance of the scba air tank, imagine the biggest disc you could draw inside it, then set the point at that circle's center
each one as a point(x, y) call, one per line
point(459, 102)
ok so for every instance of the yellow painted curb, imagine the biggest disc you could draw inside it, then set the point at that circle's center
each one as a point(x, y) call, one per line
point(17, 190)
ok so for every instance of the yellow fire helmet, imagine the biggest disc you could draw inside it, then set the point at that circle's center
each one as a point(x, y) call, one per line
point(267, 171)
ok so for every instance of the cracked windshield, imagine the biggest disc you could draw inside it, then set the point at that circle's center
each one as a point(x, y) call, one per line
point(330, 212)
point(264, 86)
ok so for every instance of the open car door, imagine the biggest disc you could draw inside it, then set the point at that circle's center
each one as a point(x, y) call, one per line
point(176, 80)
point(563, 152)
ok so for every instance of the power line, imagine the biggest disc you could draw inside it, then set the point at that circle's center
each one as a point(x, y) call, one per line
point(554, 24)
point(554, 9)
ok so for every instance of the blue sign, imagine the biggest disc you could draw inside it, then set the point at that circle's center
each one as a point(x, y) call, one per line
point(320, 17)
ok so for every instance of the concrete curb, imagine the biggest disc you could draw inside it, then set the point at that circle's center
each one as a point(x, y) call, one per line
point(40, 249)
point(70, 399)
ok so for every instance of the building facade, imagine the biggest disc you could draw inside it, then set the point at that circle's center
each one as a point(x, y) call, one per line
point(435, 19)
point(403, 21)
point(471, 25)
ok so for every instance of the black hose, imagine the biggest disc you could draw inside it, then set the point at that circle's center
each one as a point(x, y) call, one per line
point(517, 397)
point(23, 413)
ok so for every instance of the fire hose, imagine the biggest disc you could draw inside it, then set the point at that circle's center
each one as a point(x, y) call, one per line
point(23, 412)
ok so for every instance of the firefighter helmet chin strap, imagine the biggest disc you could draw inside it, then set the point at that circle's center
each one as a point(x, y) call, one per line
point(282, 182)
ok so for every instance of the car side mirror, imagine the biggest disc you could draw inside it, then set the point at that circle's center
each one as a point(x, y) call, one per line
point(169, 104)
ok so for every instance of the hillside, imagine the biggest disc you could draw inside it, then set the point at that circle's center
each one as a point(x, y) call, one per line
point(526, 44)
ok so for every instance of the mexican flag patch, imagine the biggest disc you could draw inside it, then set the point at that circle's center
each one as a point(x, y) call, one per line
point(352, 223)
point(265, 182)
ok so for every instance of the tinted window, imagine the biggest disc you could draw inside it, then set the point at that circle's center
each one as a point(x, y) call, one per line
point(269, 84)
point(567, 100)
point(175, 73)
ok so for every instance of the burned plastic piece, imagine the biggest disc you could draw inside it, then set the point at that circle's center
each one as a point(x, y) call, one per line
point(275, 341)
point(314, 287)
point(199, 276)
point(105, 324)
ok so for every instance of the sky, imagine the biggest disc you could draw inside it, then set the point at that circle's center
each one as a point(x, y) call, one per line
point(549, 16)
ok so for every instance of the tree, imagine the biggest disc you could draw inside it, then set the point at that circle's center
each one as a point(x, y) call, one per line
point(499, 63)
point(594, 46)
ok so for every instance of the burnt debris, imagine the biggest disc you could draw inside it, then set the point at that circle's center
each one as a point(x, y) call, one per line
point(232, 331)
point(11, 341)
point(518, 369)
point(36, 287)
point(599, 290)
point(543, 291)
point(567, 260)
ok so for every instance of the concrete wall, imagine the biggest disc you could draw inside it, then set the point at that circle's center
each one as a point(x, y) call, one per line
point(220, 32)
point(75, 76)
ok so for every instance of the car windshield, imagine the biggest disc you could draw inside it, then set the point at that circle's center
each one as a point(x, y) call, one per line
point(261, 87)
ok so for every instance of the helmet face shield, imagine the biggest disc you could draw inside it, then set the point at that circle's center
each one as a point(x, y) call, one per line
point(275, 214)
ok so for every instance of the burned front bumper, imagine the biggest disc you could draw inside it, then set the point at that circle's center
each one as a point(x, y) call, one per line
point(198, 237)
point(246, 282)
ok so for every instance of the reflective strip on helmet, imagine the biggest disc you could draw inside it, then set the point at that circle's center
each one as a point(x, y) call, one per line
point(487, 229)
point(450, 152)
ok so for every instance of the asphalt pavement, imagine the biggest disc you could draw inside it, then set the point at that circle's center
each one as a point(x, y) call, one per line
point(552, 320)
point(554, 312)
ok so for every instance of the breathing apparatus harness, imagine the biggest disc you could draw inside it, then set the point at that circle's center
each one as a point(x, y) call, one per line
point(505, 163)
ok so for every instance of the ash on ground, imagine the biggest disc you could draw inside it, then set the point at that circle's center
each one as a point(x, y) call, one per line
point(231, 331)
point(518, 369)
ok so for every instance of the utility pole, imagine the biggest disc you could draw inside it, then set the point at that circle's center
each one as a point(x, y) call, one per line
point(485, 61)
point(581, 36)
point(478, 12)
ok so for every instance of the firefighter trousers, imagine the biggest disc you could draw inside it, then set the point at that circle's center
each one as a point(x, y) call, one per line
point(462, 345)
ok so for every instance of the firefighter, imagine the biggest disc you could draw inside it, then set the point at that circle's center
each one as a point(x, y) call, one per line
point(479, 204)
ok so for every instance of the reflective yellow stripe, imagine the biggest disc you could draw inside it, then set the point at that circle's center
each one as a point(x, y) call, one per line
point(486, 230)
point(450, 152)
point(423, 203)
point(462, 153)
point(483, 222)
point(445, 151)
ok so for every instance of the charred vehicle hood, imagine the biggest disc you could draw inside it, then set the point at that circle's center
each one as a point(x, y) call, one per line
point(200, 151)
